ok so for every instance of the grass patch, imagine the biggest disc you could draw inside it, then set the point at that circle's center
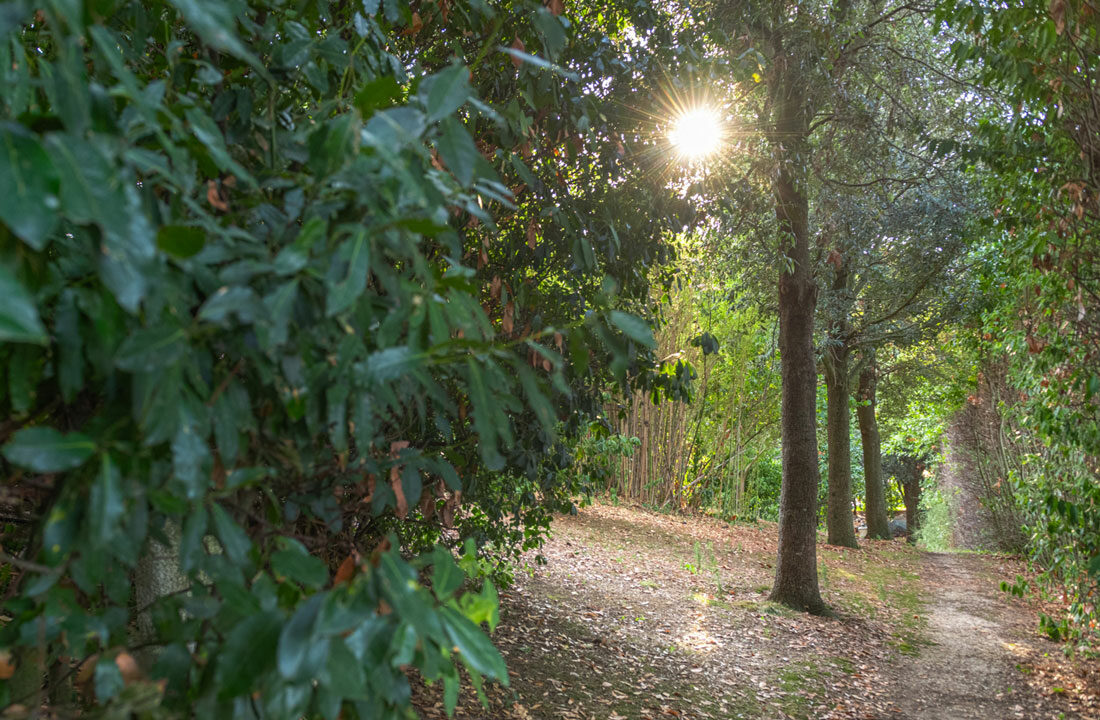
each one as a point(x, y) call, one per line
point(798, 681)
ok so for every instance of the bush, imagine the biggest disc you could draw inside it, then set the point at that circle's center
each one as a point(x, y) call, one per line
point(283, 280)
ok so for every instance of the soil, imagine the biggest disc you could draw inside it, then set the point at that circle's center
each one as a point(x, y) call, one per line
point(642, 615)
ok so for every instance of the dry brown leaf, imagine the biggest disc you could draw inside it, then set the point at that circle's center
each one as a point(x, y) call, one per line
point(1058, 13)
point(415, 25)
point(507, 322)
point(518, 45)
point(7, 668)
point(402, 507)
point(346, 571)
point(128, 667)
point(215, 197)
point(532, 234)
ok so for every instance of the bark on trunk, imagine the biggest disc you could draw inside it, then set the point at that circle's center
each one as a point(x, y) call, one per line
point(878, 525)
point(839, 515)
point(910, 491)
point(796, 564)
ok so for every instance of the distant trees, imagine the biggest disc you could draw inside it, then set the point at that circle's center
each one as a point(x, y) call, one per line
point(831, 109)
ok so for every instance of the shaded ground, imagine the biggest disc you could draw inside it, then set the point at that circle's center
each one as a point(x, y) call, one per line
point(640, 615)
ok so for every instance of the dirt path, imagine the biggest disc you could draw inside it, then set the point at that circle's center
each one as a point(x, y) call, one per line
point(975, 667)
point(641, 616)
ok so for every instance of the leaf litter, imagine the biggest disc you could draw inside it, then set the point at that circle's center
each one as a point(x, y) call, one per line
point(649, 616)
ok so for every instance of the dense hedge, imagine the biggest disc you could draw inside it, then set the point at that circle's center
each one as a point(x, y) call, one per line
point(281, 279)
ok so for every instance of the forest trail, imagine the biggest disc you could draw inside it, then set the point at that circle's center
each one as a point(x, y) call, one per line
point(638, 615)
point(972, 670)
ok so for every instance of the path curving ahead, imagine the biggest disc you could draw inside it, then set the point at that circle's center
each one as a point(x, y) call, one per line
point(971, 672)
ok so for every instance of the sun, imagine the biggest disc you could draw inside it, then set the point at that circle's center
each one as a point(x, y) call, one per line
point(696, 133)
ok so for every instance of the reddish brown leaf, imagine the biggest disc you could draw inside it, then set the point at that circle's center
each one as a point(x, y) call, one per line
point(518, 45)
point(1058, 13)
point(346, 571)
point(415, 26)
point(214, 196)
point(532, 234)
point(402, 507)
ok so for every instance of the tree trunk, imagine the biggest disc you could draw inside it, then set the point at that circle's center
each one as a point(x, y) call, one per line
point(874, 489)
point(839, 515)
point(796, 564)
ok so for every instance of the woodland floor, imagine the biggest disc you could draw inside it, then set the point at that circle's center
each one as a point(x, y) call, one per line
point(649, 616)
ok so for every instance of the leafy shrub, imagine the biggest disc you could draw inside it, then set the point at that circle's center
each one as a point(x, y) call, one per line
point(282, 280)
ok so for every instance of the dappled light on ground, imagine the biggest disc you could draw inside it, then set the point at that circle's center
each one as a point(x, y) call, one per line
point(648, 616)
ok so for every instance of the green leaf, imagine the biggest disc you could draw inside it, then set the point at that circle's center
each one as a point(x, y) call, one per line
point(634, 328)
point(343, 674)
point(486, 417)
point(19, 320)
point(540, 63)
point(181, 241)
point(108, 679)
point(191, 545)
point(233, 539)
point(153, 348)
point(552, 31)
point(446, 577)
point(106, 505)
point(210, 135)
point(295, 563)
point(536, 399)
point(296, 637)
point(387, 365)
point(341, 295)
point(482, 607)
point(215, 22)
point(333, 144)
point(473, 645)
point(191, 460)
point(29, 184)
point(247, 654)
point(379, 93)
point(450, 693)
point(279, 304)
point(391, 130)
point(70, 358)
point(458, 151)
point(45, 450)
point(445, 92)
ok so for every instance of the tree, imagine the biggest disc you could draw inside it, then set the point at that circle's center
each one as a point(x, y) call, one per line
point(895, 258)
point(807, 54)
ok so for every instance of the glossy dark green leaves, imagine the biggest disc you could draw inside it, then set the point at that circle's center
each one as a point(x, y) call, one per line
point(248, 652)
point(29, 185)
point(355, 251)
point(106, 503)
point(633, 327)
point(458, 151)
point(295, 563)
point(19, 321)
point(45, 450)
point(445, 92)
point(181, 241)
